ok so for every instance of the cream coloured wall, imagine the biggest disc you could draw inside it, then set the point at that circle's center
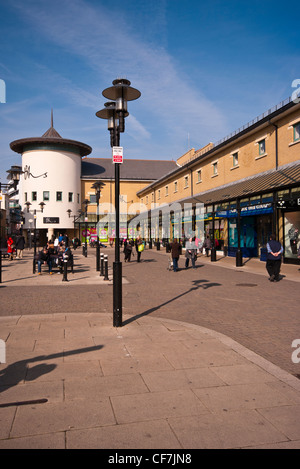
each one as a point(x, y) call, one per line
point(250, 161)
point(63, 175)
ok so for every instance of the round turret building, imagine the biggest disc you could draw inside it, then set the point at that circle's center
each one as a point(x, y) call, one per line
point(51, 183)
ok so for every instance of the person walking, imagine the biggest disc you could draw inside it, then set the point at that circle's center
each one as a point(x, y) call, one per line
point(139, 246)
point(207, 245)
point(190, 253)
point(128, 244)
point(20, 244)
point(175, 252)
point(274, 254)
point(10, 248)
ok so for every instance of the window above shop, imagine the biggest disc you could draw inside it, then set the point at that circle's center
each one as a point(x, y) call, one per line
point(214, 169)
point(58, 196)
point(296, 128)
point(46, 196)
point(199, 175)
point(262, 147)
point(235, 159)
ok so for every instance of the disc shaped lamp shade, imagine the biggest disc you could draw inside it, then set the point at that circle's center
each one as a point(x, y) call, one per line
point(121, 92)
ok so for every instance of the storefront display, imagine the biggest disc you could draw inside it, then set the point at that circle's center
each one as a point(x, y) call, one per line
point(291, 234)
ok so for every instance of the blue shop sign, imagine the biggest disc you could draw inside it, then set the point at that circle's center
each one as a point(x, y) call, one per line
point(260, 209)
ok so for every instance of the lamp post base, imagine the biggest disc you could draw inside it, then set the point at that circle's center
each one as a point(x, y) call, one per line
point(213, 255)
point(239, 258)
point(117, 294)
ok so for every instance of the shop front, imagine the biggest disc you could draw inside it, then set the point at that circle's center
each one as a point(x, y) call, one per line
point(290, 221)
point(256, 221)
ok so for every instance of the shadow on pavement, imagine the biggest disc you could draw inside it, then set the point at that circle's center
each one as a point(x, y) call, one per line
point(205, 284)
point(16, 372)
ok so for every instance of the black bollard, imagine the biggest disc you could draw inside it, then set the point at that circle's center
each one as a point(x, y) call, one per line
point(106, 267)
point(65, 276)
point(102, 265)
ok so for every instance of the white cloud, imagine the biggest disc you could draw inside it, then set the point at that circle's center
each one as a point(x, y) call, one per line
point(110, 48)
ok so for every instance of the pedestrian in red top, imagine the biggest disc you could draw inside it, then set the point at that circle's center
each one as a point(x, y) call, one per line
point(10, 251)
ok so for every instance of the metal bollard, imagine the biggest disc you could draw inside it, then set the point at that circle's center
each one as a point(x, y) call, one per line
point(106, 267)
point(65, 276)
point(102, 265)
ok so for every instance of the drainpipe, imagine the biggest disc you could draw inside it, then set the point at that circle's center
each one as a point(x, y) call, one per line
point(276, 142)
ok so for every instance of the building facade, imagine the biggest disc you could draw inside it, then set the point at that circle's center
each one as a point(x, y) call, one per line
point(238, 190)
point(248, 183)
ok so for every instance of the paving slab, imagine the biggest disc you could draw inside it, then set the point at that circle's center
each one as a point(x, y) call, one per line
point(132, 389)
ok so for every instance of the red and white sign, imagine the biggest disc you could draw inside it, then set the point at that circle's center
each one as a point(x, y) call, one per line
point(117, 153)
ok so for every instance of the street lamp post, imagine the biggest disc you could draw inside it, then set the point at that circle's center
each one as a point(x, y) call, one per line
point(115, 112)
point(84, 249)
point(98, 186)
point(42, 205)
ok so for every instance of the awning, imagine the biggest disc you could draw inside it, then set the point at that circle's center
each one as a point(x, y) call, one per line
point(270, 181)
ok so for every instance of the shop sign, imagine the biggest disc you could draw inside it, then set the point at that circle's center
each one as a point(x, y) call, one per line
point(248, 211)
point(289, 204)
point(53, 220)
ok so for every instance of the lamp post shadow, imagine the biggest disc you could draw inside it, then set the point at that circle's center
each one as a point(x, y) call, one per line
point(204, 284)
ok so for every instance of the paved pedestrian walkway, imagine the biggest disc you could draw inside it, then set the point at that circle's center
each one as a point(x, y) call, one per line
point(72, 380)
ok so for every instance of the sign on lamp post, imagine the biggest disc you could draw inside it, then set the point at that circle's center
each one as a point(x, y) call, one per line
point(117, 154)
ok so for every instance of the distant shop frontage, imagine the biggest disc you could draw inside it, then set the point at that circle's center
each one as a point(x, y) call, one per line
point(243, 215)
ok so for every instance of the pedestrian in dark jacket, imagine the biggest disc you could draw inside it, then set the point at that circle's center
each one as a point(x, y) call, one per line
point(44, 258)
point(275, 250)
point(20, 244)
point(175, 253)
point(128, 245)
point(207, 245)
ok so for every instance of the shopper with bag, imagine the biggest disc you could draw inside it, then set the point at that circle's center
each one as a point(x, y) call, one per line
point(139, 245)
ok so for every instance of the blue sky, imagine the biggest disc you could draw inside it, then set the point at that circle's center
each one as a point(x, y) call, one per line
point(204, 69)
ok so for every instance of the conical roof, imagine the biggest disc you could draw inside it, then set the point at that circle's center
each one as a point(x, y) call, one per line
point(50, 137)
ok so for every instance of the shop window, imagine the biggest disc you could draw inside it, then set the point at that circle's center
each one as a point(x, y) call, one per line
point(296, 128)
point(295, 190)
point(291, 234)
point(265, 198)
point(255, 200)
point(244, 202)
point(46, 196)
